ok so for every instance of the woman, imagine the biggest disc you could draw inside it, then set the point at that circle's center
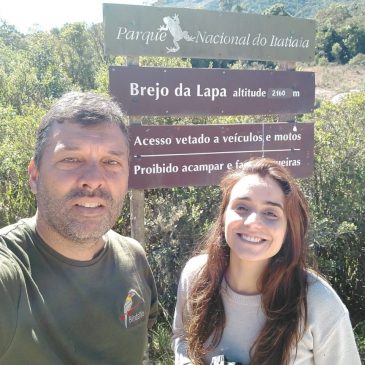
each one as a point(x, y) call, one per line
point(250, 295)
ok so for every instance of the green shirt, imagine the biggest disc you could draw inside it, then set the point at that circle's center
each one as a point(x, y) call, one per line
point(54, 310)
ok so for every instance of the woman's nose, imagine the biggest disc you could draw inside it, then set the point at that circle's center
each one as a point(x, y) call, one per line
point(252, 218)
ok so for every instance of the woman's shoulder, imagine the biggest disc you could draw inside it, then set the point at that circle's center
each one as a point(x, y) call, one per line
point(192, 269)
point(323, 301)
point(194, 265)
point(328, 332)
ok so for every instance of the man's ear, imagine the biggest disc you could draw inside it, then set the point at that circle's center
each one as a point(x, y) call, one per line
point(33, 176)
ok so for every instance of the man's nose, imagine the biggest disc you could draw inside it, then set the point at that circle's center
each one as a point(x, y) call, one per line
point(92, 176)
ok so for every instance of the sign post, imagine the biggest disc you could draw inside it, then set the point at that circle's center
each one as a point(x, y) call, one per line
point(198, 155)
point(136, 195)
point(184, 91)
point(167, 156)
point(176, 32)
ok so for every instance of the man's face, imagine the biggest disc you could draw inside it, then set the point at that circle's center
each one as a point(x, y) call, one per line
point(81, 181)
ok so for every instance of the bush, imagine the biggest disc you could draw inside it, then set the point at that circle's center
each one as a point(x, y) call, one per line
point(337, 199)
point(176, 219)
point(160, 341)
point(358, 60)
point(360, 338)
point(17, 137)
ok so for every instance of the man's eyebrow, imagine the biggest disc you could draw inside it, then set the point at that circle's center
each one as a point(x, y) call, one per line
point(66, 148)
point(118, 153)
point(62, 147)
point(266, 202)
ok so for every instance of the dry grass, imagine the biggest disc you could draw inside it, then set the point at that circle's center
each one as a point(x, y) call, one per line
point(332, 80)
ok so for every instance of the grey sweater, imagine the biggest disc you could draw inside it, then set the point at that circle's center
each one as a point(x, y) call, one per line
point(328, 339)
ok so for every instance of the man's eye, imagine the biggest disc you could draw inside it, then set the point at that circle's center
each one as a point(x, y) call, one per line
point(112, 162)
point(70, 159)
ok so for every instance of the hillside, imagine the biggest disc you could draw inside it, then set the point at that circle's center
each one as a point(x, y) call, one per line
point(340, 37)
point(299, 8)
point(334, 80)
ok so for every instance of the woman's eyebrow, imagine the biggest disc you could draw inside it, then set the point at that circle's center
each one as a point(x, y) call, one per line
point(266, 202)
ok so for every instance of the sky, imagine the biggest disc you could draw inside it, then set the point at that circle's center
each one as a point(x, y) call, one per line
point(26, 15)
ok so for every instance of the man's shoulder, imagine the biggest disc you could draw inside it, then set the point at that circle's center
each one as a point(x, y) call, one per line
point(16, 239)
point(10, 271)
point(9, 268)
point(130, 254)
point(18, 230)
point(124, 243)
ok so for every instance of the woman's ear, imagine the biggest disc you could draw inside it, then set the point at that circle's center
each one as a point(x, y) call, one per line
point(33, 176)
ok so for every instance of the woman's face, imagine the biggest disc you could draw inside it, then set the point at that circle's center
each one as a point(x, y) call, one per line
point(254, 221)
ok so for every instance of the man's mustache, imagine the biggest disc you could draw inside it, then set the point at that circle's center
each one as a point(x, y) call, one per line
point(97, 193)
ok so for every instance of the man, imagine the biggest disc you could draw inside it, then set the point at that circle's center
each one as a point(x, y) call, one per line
point(72, 291)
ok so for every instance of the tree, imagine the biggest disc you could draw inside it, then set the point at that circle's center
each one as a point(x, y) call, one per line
point(341, 33)
point(80, 57)
point(337, 52)
point(334, 15)
point(354, 39)
point(326, 37)
point(276, 9)
point(337, 199)
point(10, 36)
point(44, 58)
point(31, 74)
point(16, 147)
point(227, 5)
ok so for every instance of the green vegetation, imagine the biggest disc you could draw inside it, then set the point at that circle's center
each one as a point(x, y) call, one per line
point(298, 8)
point(340, 34)
point(336, 193)
point(37, 68)
point(160, 342)
point(340, 25)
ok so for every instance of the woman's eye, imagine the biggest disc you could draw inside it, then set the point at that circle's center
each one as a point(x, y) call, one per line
point(271, 215)
point(241, 208)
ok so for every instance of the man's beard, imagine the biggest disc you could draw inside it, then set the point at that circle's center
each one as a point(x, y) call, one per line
point(83, 230)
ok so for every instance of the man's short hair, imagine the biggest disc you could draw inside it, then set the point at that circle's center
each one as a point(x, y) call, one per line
point(84, 108)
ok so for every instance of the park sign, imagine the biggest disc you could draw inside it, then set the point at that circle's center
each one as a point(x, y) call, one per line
point(199, 155)
point(186, 91)
point(135, 30)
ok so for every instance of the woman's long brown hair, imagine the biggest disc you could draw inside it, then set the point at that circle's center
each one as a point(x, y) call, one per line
point(283, 285)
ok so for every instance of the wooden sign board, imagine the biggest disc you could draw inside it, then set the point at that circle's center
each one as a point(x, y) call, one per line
point(186, 91)
point(135, 30)
point(168, 156)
